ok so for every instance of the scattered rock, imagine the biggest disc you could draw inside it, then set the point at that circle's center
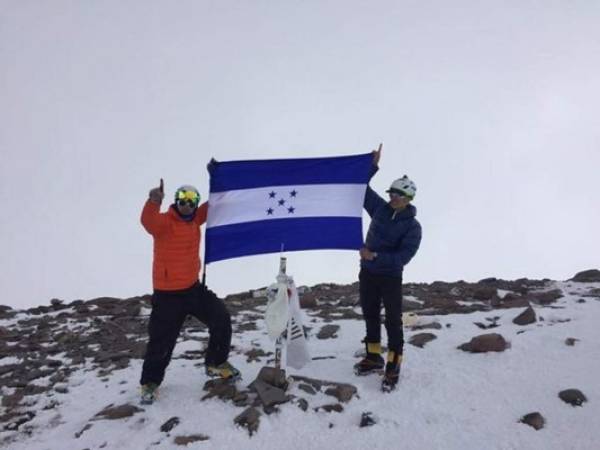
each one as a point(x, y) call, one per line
point(185, 440)
point(573, 397)
point(219, 388)
point(302, 404)
point(273, 376)
point(367, 419)
point(269, 395)
point(492, 342)
point(427, 326)
point(308, 300)
point(307, 388)
point(83, 430)
point(169, 424)
point(534, 419)
point(328, 332)
point(526, 317)
point(571, 341)
point(343, 392)
point(420, 339)
point(587, 276)
point(249, 419)
point(333, 407)
point(118, 412)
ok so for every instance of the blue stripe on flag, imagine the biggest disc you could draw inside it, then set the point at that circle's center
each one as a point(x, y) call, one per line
point(267, 236)
point(227, 176)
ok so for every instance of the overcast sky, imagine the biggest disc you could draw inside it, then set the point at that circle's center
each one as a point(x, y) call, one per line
point(493, 108)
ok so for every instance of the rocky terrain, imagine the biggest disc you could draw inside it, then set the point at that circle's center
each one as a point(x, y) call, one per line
point(46, 352)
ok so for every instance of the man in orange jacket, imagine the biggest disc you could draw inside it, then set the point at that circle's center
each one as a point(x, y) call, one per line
point(177, 291)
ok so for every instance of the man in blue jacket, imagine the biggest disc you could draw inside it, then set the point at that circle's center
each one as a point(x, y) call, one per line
point(393, 239)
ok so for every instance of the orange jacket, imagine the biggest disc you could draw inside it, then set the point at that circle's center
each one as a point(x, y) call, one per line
point(176, 262)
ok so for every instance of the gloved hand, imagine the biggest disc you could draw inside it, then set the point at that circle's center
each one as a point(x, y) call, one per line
point(377, 155)
point(211, 165)
point(157, 194)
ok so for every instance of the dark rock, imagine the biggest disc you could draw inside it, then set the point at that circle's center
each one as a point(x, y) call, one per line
point(256, 354)
point(118, 412)
point(420, 339)
point(587, 276)
point(307, 388)
point(485, 293)
point(249, 419)
point(545, 298)
point(343, 392)
point(491, 342)
point(333, 407)
point(573, 397)
point(13, 400)
point(273, 376)
point(328, 332)
point(185, 440)
point(83, 430)
point(535, 420)
point(526, 317)
point(169, 424)
point(571, 341)
point(219, 388)
point(411, 305)
point(13, 422)
point(302, 404)
point(308, 300)
point(367, 419)
point(427, 326)
point(269, 395)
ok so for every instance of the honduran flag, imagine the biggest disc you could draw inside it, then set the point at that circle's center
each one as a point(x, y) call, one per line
point(266, 206)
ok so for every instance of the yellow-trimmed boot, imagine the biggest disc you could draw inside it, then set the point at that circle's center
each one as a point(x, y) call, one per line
point(392, 372)
point(372, 362)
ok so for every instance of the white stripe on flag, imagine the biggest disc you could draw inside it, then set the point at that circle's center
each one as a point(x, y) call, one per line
point(285, 202)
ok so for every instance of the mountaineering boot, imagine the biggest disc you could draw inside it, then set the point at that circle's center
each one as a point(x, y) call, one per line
point(372, 362)
point(149, 393)
point(225, 371)
point(392, 372)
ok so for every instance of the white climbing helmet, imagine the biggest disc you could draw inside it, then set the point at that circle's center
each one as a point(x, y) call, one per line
point(404, 186)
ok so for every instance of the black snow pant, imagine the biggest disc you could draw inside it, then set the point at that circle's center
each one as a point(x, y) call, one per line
point(375, 289)
point(169, 310)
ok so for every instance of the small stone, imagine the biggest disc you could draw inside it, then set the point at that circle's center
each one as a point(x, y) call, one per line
point(492, 342)
point(535, 420)
point(328, 332)
point(118, 412)
point(302, 404)
point(249, 419)
point(185, 440)
point(343, 392)
point(334, 407)
point(367, 419)
point(169, 424)
point(420, 339)
point(571, 341)
point(526, 317)
point(573, 397)
point(307, 388)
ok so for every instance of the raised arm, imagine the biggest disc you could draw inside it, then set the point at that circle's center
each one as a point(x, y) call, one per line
point(153, 221)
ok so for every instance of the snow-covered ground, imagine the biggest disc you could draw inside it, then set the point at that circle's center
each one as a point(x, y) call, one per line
point(447, 398)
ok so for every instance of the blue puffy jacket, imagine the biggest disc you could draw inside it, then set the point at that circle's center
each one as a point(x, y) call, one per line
point(394, 236)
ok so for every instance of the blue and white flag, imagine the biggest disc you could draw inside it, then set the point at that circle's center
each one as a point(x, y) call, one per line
point(264, 206)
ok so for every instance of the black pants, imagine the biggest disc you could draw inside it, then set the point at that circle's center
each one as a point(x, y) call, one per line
point(169, 310)
point(375, 289)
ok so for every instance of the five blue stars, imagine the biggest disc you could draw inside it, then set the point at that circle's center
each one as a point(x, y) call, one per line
point(282, 202)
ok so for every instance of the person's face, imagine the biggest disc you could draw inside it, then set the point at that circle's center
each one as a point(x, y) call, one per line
point(185, 206)
point(398, 201)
